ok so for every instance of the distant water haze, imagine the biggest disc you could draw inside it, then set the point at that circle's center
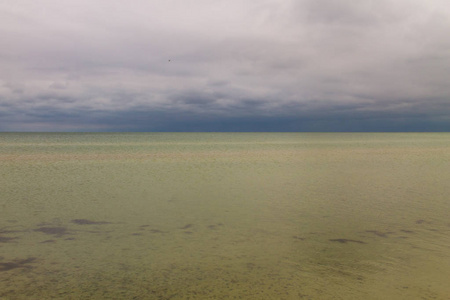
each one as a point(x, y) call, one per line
point(224, 215)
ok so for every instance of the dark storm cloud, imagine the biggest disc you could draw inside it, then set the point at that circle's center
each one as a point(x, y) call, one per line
point(310, 65)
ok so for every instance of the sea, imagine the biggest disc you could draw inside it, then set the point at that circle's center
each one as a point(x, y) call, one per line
point(224, 216)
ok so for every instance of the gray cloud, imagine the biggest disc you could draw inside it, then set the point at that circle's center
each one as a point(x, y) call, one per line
point(254, 65)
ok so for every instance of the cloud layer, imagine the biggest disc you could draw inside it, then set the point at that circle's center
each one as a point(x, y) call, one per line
point(209, 65)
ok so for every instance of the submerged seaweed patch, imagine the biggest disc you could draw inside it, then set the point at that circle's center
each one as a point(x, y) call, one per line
point(17, 263)
point(214, 226)
point(380, 233)
point(4, 239)
point(89, 222)
point(48, 241)
point(344, 241)
point(421, 221)
point(142, 227)
point(57, 231)
point(10, 231)
point(187, 226)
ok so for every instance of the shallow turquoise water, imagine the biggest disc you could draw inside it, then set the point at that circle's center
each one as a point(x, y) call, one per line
point(224, 215)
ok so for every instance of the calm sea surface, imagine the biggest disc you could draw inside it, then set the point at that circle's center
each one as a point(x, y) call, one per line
point(224, 216)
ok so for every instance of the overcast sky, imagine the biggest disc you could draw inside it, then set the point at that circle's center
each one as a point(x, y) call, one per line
point(235, 65)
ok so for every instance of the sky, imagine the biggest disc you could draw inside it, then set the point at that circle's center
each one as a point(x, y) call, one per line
point(215, 65)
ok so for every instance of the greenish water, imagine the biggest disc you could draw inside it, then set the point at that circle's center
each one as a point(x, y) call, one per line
point(224, 216)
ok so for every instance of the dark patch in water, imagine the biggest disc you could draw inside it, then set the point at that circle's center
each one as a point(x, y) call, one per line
point(10, 231)
point(7, 229)
point(407, 231)
point(298, 238)
point(188, 232)
point(70, 239)
point(44, 224)
point(17, 263)
point(136, 233)
point(344, 241)
point(48, 241)
point(156, 231)
point(214, 226)
point(89, 222)
point(4, 239)
point(379, 233)
point(422, 222)
point(96, 231)
point(186, 226)
point(57, 231)
point(142, 227)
